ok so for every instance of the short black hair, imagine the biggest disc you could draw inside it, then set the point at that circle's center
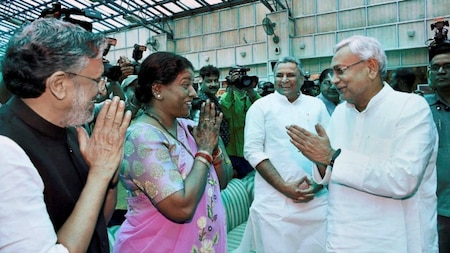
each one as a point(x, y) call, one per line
point(324, 74)
point(441, 48)
point(209, 70)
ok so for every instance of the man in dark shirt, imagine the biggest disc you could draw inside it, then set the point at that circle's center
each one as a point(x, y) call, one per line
point(439, 101)
point(208, 88)
point(54, 71)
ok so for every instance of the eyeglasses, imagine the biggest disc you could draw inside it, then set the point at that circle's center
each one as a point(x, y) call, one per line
point(341, 70)
point(437, 68)
point(101, 81)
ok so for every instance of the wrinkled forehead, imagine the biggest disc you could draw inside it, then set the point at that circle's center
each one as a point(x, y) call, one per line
point(287, 67)
point(343, 56)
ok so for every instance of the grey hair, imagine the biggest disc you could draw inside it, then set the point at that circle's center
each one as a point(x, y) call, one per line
point(365, 48)
point(43, 47)
point(287, 59)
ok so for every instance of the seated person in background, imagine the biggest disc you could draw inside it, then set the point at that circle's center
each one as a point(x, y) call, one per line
point(328, 92)
point(172, 167)
point(54, 93)
point(403, 80)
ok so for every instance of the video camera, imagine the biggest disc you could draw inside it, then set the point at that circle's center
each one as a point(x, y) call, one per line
point(113, 72)
point(56, 11)
point(238, 77)
point(137, 52)
point(440, 32)
point(440, 43)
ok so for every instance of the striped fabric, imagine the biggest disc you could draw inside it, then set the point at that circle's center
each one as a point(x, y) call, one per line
point(236, 198)
point(249, 181)
point(234, 237)
point(112, 232)
point(237, 203)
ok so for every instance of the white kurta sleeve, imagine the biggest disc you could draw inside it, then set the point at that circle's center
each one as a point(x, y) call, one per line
point(254, 135)
point(25, 223)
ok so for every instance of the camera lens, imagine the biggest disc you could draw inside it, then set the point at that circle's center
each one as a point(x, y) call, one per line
point(246, 81)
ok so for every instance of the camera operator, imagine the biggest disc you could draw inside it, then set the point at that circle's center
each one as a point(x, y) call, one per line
point(309, 87)
point(235, 103)
point(440, 30)
point(118, 73)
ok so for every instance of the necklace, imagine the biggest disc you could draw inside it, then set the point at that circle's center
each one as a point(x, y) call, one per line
point(167, 131)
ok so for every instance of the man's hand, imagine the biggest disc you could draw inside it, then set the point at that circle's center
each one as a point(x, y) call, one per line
point(302, 190)
point(103, 151)
point(315, 147)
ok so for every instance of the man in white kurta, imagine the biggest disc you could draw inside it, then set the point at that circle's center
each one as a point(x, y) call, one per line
point(25, 223)
point(280, 219)
point(382, 184)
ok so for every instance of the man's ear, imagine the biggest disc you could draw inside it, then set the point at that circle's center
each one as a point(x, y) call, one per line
point(374, 68)
point(57, 85)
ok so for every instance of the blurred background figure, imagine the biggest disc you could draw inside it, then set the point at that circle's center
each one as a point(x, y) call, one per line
point(128, 86)
point(5, 94)
point(328, 92)
point(208, 85)
point(265, 88)
point(309, 87)
point(235, 102)
point(403, 80)
point(439, 101)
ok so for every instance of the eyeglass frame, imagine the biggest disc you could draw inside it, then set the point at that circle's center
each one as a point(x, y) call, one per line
point(341, 70)
point(445, 67)
point(101, 81)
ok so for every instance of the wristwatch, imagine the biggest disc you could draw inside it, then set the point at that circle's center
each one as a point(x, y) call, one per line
point(333, 158)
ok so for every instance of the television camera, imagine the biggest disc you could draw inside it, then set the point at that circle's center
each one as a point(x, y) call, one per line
point(440, 42)
point(114, 72)
point(58, 12)
point(238, 77)
point(440, 30)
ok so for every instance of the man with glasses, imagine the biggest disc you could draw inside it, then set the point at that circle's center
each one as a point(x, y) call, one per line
point(54, 71)
point(378, 158)
point(439, 80)
point(289, 210)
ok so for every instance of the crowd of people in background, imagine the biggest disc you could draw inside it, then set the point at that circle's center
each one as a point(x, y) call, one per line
point(344, 163)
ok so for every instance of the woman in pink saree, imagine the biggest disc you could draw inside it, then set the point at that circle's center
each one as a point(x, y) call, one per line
point(172, 168)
